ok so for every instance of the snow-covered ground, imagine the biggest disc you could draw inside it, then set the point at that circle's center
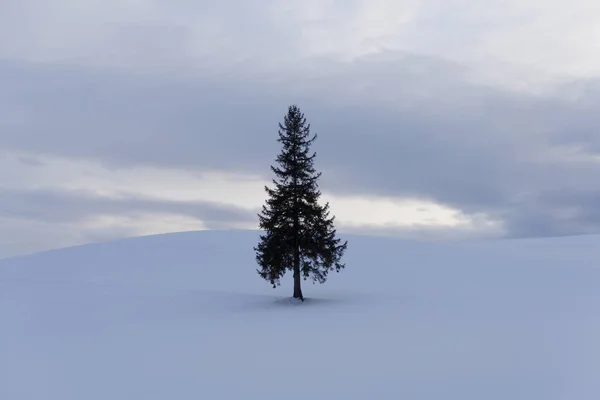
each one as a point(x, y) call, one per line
point(185, 316)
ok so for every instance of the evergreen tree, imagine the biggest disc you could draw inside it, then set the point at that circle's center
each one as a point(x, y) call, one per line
point(299, 234)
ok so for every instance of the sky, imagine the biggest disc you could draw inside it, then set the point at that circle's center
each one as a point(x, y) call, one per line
point(436, 119)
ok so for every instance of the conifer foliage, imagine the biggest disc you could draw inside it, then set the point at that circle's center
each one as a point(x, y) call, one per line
point(299, 234)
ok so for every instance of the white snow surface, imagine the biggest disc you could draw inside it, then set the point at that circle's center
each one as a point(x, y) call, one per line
point(185, 316)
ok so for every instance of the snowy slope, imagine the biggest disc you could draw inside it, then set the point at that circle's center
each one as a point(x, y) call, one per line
point(184, 316)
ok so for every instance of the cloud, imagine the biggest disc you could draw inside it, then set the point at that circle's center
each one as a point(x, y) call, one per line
point(479, 142)
point(41, 219)
point(486, 111)
point(82, 201)
point(533, 40)
point(394, 125)
point(73, 206)
point(556, 213)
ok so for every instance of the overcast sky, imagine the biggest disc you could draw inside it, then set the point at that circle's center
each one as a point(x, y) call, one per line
point(438, 119)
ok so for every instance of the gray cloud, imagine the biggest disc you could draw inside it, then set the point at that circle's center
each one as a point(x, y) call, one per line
point(59, 206)
point(394, 124)
point(34, 220)
point(127, 120)
point(556, 213)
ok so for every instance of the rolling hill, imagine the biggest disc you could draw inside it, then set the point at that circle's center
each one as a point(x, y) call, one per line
point(185, 316)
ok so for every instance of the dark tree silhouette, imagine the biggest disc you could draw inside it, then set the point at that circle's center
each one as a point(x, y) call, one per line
point(299, 234)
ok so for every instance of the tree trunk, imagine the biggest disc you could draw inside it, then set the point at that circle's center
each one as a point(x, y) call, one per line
point(297, 286)
point(297, 280)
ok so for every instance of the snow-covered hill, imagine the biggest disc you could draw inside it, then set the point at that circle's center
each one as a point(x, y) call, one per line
point(185, 316)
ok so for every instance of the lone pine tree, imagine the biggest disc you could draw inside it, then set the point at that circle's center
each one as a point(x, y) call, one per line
point(299, 234)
